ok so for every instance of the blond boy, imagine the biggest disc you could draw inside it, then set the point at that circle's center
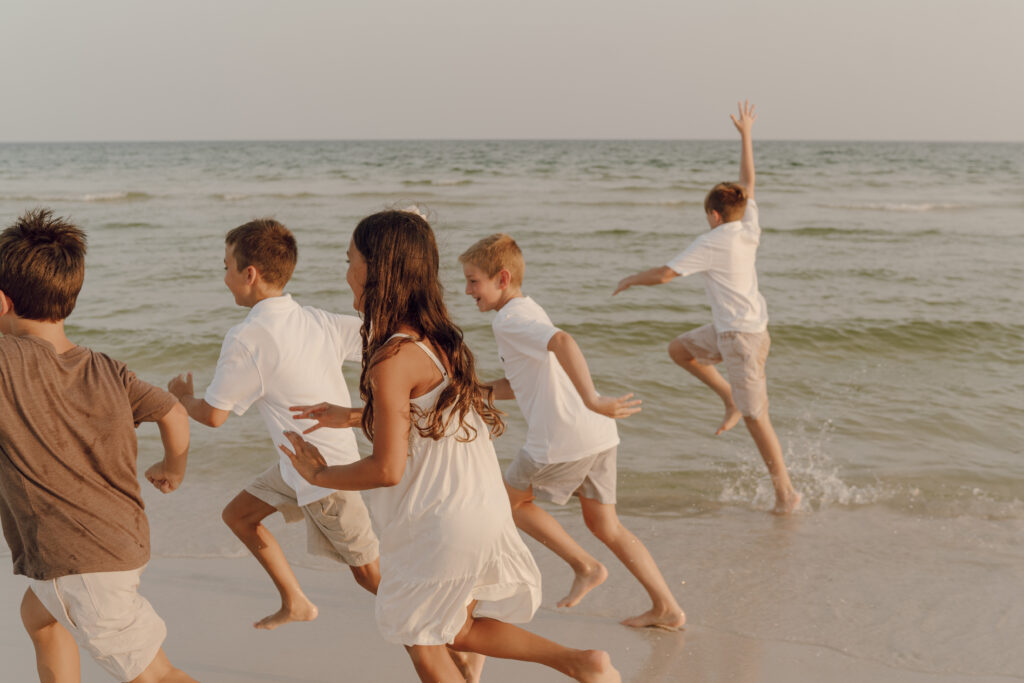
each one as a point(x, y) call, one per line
point(282, 355)
point(70, 501)
point(738, 336)
point(571, 442)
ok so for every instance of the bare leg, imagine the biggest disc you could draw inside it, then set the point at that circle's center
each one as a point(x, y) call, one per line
point(433, 664)
point(244, 515)
point(786, 498)
point(497, 639)
point(368, 575)
point(160, 670)
point(470, 664)
point(603, 521)
point(536, 522)
point(56, 650)
point(710, 375)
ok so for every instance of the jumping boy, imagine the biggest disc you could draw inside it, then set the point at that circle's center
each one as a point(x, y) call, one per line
point(571, 440)
point(70, 501)
point(738, 335)
point(280, 356)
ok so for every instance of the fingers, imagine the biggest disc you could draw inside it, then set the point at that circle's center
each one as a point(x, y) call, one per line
point(312, 429)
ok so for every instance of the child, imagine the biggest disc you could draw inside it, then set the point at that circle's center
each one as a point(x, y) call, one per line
point(571, 440)
point(454, 568)
point(738, 334)
point(281, 355)
point(70, 502)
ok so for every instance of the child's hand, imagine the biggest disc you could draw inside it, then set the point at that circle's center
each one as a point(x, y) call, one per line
point(164, 481)
point(747, 117)
point(306, 457)
point(624, 284)
point(615, 407)
point(181, 386)
point(327, 415)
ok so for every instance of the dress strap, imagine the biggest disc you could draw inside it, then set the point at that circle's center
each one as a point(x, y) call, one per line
point(426, 350)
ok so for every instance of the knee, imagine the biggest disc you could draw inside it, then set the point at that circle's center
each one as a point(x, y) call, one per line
point(678, 353)
point(367, 576)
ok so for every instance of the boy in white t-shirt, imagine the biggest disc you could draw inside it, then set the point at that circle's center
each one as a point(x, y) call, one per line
point(282, 358)
point(571, 440)
point(738, 335)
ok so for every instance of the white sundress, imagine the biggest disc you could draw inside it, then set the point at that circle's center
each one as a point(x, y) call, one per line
point(447, 538)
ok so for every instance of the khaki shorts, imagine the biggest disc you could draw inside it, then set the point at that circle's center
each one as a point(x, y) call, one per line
point(337, 526)
point(591, 477)
point(107, 617)
point(744, 355)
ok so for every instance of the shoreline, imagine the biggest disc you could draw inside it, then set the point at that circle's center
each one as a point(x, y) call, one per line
point(209, 605)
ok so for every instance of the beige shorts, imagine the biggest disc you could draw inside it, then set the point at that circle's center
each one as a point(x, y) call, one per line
point(337, 526)
point(107, 617)
point(591, 477)
point(744, 355)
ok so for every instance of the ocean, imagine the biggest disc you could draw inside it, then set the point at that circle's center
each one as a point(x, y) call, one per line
point(892, 273)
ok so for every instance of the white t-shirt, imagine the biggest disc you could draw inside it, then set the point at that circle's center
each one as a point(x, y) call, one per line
point(559, 427)
point(726, 257)
point(283, 355)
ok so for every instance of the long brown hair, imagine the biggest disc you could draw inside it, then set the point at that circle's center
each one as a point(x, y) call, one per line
point(403, 289)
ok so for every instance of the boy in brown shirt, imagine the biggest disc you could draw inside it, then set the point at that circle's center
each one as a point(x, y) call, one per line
point(70, 502)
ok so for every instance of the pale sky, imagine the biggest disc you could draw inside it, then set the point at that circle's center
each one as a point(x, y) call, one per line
point(370, 69)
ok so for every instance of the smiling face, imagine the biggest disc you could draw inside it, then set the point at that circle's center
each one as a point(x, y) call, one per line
point(356, 275)
point(486, 291)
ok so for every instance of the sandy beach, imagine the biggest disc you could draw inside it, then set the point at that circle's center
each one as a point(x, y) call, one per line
point(209, 605)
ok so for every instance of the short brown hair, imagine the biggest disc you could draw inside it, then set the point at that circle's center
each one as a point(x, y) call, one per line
point(268, 246)
point(728, 199)
point(492, 254)
point(42, 265)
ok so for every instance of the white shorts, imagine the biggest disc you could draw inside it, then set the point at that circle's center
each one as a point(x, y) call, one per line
point(591, 477)
point(337, 526)
point(744, 355)
point(107, 617)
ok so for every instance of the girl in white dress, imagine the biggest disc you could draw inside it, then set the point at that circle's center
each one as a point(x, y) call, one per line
point(454, 571)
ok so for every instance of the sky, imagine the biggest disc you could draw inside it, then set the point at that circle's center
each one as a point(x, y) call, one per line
point(472, 69)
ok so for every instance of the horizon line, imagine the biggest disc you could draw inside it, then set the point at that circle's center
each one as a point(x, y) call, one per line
point(514, 139)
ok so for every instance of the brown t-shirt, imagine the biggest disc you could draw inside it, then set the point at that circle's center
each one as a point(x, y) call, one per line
point(69, 493)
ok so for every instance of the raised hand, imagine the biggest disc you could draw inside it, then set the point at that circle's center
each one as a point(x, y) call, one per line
point(747, 117)
point(306, 457)
point(327, 415)
point(617, 408)
point(181, 386)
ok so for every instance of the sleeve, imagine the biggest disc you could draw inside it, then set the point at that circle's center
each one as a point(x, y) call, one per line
point(696, 258)
point(528, 337)
point(350, 341)
point(752, 217)
point(237, 383)
point(149, 403)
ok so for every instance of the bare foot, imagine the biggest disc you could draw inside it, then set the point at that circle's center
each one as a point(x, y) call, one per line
point(669, 621)
point(784, 506)
point(732, 417)
point(583, 584)
point(595, 666)
point(470, 664)
point(303, 612)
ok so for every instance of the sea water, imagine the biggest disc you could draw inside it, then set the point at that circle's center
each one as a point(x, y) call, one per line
point(892, 273)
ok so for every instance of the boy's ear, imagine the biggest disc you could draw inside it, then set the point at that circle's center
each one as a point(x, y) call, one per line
point(251, 275)
point(504, 278)
point(6, 305)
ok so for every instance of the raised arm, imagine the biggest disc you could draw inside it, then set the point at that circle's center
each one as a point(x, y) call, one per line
point(198, 409)
point(744, 124)
point(569, 356)
point(168, 474)
point(653, 276)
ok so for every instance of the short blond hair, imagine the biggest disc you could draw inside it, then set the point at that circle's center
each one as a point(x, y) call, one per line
point(494, 254)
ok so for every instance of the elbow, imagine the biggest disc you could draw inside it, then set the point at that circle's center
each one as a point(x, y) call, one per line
point(215, 420)
point(389, 477)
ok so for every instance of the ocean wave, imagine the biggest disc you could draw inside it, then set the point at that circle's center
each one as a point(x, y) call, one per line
point(902, 207)
point(439, 183)
point(830, 231)
point(96, 197)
